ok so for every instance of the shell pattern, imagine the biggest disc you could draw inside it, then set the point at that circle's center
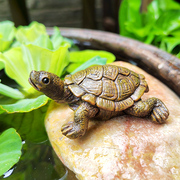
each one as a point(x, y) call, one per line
point(108, 87)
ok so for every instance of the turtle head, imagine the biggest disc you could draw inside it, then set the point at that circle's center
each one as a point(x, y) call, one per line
point(48, 83)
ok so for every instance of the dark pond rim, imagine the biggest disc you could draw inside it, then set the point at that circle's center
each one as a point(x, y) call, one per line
point(164, 66)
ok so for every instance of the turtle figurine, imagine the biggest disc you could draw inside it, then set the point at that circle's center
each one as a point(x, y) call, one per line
point(100, 92)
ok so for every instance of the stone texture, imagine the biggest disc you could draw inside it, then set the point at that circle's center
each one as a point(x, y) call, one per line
point(124, 147)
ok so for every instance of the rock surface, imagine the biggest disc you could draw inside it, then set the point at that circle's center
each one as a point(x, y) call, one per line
point(124, 147)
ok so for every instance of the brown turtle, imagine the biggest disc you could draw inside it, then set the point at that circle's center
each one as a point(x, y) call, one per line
point(99, 92)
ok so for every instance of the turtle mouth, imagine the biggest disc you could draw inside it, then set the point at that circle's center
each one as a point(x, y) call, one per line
point(32, 83)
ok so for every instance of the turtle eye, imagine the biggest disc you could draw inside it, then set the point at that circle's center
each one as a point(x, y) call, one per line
point(45, 80)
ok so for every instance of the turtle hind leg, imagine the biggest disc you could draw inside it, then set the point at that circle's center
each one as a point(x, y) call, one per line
point(160, 112)
point(152, 107)
point(78, 127)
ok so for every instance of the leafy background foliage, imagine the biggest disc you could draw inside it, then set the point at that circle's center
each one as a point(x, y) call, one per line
point(159, 25)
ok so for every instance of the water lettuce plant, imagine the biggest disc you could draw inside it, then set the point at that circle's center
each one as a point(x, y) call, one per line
point(159, 25)
point(31, 48)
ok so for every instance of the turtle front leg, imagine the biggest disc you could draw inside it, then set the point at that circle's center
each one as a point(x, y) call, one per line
point(152, 107)
point(78, 127)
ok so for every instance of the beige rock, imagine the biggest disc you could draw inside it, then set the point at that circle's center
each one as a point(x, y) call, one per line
point(124, 147)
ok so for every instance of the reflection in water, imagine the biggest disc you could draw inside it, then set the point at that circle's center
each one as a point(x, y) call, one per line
point(8, 173)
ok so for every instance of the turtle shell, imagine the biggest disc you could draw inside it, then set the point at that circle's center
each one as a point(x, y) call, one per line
point(109, 87)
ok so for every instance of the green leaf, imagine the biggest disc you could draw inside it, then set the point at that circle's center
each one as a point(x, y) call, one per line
point(36, 34)
point(139, 33)
point(149, 19)
point(7, 30)
point(129, 16)
point(85, 55)
point(58, 40)
point(30, 125)
point(168, 4)
point(4, 45)
point(169, 43)
point(122, 17)
point(168, 22)
point(92, 57)
point(28, 34)
point(7, 34)
point(178, 55)
point(1, 64)
point(133, 23)
point(10, 149)
point(1, 111)
point(20, 61)
point(94, 61)
point(25, 105)
point(10, 92)
point(153, 11)
point(44, 42)
point(176, 33)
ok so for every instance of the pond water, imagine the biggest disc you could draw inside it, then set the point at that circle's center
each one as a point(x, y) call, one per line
point(38, 161)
